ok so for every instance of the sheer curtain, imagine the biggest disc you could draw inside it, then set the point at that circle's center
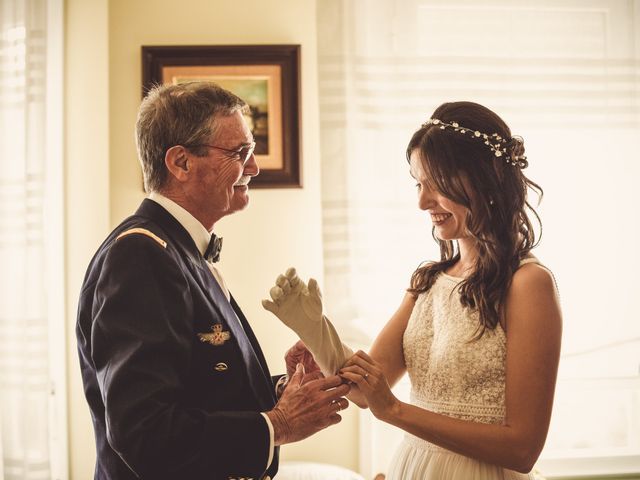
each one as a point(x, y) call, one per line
point(564, 74)
point(26, 211)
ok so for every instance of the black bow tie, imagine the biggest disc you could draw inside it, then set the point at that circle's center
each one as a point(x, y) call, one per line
point(212, 253)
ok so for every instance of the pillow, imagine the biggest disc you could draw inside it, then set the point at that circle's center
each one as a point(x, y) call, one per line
point(315, 471)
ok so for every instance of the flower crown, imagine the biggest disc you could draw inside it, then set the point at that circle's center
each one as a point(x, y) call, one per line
point(497, 144)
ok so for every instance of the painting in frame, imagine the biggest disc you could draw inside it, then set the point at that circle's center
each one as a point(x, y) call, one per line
point(267, 77)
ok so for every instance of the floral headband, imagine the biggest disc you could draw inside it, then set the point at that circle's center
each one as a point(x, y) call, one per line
point(499, 148)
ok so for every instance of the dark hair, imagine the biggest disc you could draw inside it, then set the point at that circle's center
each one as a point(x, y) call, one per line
point(182, 114)
point(466, 170)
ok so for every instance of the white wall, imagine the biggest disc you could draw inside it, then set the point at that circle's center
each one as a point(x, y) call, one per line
point(280, 228)
point(86, 189)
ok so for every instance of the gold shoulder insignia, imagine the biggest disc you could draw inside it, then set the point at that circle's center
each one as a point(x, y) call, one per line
point(143, 231)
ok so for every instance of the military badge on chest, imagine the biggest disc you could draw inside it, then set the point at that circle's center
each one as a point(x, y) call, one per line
point(216, 337)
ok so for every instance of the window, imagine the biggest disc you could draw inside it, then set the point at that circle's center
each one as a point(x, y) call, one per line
point(32, 361)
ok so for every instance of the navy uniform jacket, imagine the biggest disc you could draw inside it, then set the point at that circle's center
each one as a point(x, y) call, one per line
point(164, 403)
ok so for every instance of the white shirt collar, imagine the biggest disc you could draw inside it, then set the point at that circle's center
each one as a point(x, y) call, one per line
point(196, 230)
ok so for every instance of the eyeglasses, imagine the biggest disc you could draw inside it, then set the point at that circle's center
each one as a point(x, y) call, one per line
point(243, 153)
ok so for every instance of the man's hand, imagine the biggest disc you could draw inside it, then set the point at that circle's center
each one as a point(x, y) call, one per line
point(300, 354)
point(307, 408)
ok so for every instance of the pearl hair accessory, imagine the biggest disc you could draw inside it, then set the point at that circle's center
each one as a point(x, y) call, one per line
point(495, 142)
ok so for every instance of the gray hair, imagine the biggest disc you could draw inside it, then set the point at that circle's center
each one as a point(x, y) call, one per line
point(182, 114)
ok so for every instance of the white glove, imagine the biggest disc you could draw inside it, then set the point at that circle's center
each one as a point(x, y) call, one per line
point(300, 308)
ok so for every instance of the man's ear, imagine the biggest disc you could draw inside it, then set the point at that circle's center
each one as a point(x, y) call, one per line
point(178, 162)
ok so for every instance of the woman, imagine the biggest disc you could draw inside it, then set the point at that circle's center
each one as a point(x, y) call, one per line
point(478, 331)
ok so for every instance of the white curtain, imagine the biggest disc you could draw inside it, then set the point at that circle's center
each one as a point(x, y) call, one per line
point(24, 353)
point(564, 74)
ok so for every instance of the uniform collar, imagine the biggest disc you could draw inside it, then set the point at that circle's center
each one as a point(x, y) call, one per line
point(194, 228)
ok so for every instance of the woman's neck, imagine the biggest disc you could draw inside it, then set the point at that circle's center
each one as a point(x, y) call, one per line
point(468, 255)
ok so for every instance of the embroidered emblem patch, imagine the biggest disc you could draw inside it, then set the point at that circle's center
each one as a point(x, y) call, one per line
point(217, 337)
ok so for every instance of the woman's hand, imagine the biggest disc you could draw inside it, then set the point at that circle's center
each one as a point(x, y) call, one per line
point(367, 374)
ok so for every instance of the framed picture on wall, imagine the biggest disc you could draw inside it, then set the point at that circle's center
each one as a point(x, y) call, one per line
point(267, 77)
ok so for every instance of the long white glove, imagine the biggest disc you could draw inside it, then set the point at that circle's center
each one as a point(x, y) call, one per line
point(300, 308)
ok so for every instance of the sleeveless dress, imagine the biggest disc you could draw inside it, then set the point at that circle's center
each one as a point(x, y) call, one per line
point(451, 376)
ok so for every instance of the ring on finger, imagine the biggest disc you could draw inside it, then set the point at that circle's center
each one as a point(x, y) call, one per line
point(365, 375)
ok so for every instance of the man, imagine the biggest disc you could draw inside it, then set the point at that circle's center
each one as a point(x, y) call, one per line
point(176, 382)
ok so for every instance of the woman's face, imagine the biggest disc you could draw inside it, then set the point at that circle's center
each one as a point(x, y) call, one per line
point(447, 216)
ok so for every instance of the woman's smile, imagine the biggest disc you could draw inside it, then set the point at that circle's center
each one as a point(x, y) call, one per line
point(440, 218)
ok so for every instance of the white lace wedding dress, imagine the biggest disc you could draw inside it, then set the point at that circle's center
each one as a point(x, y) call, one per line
point(451, 376)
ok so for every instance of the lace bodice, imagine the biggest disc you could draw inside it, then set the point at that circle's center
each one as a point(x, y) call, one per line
point(450, 372)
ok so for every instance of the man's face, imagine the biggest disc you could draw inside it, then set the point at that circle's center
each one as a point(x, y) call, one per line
point(221, 180)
